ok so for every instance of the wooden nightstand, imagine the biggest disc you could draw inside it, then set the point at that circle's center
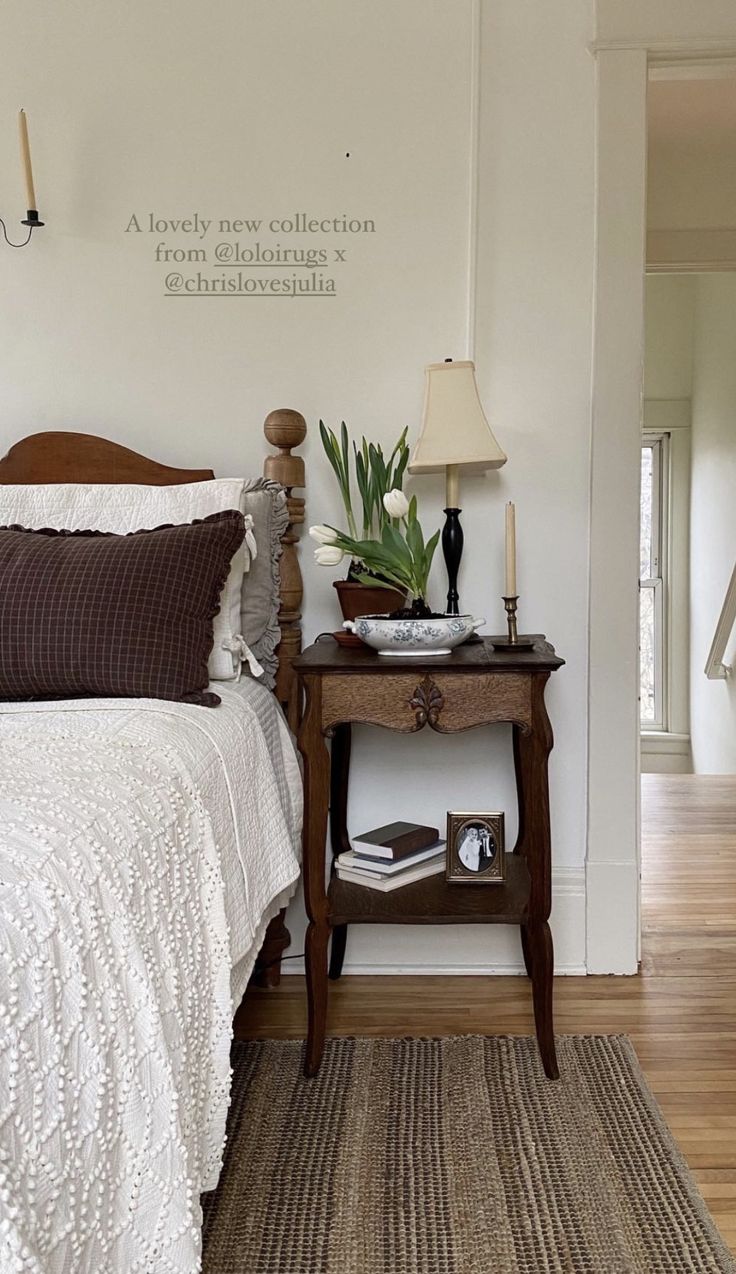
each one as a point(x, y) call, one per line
point(471, 687)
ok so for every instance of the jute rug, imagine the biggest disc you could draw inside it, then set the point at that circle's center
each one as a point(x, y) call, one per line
point(452, 1156)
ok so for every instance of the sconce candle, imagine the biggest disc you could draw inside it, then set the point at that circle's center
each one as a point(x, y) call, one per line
point(510, 550)
point(25, 154)
point(31, 219)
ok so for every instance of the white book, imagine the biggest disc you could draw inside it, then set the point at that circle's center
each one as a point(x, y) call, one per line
point(384, 868)
point(387, 883)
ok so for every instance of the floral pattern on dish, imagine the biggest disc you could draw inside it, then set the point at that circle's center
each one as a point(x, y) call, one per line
point(413, 636)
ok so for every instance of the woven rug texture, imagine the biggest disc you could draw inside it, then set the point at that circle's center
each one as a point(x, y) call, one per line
point(452, 1156)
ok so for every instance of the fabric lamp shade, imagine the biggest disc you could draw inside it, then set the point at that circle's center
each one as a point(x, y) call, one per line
point(454, 427)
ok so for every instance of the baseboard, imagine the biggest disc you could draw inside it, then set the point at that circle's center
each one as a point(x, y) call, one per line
point(665, 741)
point(439, 971)
point(466, 950)
point(664, 752)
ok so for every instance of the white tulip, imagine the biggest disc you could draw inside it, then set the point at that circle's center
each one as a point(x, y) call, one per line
point(322, 534)
point(328, 555)
point(396, 504)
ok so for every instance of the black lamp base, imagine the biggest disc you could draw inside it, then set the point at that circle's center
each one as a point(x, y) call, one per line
point(452, 549)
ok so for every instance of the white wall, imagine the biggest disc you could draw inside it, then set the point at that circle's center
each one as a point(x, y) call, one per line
point(532, 348)
point(669, 319)
point(713, 517)
point(248, 110)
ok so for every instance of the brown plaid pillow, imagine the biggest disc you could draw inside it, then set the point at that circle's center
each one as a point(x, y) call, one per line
point(89, 613)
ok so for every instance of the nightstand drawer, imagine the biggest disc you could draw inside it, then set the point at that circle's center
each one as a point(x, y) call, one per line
point(446, 701)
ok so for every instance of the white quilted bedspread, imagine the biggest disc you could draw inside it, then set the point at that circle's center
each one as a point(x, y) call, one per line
point(142, 850)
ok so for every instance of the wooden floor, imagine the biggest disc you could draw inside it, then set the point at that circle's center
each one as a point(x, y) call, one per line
point(680, 1012)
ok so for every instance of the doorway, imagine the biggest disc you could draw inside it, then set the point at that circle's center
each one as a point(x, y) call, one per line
point(688, 485)
point(623, 70)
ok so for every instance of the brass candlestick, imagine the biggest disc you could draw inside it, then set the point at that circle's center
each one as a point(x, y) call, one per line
point(513, 642)
point(510, 604)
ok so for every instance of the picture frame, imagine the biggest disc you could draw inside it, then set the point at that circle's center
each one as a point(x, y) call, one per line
point(476, 848)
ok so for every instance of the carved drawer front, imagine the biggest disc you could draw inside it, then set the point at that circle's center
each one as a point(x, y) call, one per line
point(408, 701)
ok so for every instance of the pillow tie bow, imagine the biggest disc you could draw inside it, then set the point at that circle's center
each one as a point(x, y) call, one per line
point(250, 538)
point(239, 646)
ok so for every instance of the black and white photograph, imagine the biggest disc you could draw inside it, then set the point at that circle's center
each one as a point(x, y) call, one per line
point(475, 847)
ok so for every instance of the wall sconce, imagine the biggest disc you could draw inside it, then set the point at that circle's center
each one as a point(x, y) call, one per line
point(31, 218)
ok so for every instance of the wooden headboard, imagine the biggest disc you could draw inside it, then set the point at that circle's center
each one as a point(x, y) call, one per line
point(73, 457)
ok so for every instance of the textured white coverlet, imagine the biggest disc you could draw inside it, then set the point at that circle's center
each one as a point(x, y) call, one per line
point(143, 847)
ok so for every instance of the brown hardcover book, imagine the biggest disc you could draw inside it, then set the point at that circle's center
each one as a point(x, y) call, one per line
point(395, 841)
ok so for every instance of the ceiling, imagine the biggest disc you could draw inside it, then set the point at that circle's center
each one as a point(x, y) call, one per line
point(691, 165)
point(693, 111)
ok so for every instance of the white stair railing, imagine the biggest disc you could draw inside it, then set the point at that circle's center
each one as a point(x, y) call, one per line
point(715, 669)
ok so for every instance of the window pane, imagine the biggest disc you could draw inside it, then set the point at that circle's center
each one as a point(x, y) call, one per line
point(646, 648)
point(647, 503)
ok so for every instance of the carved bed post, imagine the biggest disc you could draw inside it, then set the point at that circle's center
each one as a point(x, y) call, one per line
point(285, 430)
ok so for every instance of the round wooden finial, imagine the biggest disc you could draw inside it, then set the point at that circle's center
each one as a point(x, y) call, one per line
point(285, 428)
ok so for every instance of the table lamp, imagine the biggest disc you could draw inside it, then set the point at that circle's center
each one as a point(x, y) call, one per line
point(455, 435)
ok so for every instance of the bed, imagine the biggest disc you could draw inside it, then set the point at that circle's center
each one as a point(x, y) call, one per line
point(147, 852)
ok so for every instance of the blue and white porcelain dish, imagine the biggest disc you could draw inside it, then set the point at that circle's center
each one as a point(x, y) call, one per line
point(413, 636)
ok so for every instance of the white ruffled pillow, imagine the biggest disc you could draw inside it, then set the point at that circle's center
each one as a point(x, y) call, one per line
point(81, 506)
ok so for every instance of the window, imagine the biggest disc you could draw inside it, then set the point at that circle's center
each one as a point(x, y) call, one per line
point(653, 581)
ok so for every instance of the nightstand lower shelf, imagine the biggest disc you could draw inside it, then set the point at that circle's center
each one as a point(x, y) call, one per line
point(433, 901)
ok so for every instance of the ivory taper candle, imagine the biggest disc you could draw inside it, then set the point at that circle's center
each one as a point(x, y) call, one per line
point(510, 550)
point(25, 155)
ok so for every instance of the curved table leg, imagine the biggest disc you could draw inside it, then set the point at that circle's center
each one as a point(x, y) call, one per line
point(532, 747)
point(316, 804)
point(539, 938)
point(267, 972)
point(337, 951)
point(525, 950)
point(339, 840)
point(318, 934)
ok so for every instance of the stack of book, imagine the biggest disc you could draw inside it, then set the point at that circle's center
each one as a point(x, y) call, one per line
point(391, 856)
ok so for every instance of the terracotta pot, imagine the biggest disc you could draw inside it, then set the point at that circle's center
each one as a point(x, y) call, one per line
point(367, 599)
